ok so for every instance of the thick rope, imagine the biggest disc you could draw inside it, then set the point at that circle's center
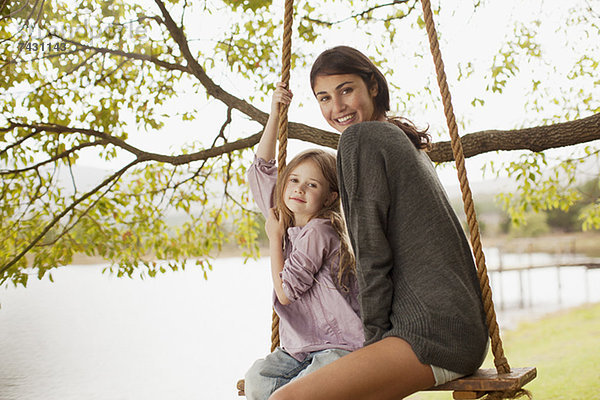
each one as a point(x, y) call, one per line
point(274, 331)
point(499, 359)
point(283, 124)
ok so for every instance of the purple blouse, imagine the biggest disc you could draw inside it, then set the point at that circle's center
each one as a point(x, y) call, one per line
point(319, 316)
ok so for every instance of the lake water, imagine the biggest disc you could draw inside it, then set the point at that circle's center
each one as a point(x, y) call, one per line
point(92, 336)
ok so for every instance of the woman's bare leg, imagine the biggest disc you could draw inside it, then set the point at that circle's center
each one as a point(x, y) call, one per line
point(388, 369)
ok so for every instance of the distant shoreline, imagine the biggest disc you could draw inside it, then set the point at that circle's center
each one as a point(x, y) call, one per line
point(586, 243)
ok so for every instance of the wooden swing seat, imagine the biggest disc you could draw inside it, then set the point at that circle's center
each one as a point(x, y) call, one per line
point(488, 380)
point(482, 382)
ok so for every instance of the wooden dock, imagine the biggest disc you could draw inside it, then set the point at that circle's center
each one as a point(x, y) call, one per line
point(526, 265)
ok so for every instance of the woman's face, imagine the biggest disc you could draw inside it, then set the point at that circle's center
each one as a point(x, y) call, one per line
point(345, 100)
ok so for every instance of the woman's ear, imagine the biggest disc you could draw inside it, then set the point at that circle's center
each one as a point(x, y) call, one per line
point(373, 87)
point(374, 90)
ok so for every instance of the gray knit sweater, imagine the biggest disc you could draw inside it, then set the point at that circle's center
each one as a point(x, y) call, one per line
point(415, 269)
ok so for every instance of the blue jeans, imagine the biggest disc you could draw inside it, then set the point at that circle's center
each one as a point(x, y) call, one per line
point(278, 368)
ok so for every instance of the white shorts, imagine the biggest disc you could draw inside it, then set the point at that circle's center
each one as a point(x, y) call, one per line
point(442, 375)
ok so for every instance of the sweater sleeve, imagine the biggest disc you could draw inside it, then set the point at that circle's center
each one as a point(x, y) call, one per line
point(262, 178)
point(366, 202)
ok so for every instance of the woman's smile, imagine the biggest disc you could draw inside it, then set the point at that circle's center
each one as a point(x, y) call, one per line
point(346, 118)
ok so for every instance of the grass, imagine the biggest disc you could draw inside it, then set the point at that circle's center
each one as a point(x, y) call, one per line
point(565, 349)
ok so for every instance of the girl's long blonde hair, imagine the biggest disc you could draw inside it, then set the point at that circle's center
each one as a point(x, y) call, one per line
point(327, 164)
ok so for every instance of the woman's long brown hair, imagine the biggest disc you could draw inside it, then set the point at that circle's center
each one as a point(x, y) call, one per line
point(326, 162)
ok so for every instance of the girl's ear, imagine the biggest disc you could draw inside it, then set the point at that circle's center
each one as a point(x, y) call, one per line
point(331, 197)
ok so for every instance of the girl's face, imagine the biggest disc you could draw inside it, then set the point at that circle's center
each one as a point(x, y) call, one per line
point(307, 192)
point(345, 100)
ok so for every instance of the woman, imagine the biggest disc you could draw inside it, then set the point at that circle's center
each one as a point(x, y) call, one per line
point(419, 297)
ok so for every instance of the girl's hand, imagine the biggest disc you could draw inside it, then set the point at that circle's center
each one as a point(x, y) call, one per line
point(274, 227)
point(280, 95)
point(268, 140)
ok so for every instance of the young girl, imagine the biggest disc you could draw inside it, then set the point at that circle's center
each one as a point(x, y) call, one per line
point(315, 289)
point(420, 300)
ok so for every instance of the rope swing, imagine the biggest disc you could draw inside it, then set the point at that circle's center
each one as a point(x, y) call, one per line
point(283, 125)
point(499, 359)
point(504, 382)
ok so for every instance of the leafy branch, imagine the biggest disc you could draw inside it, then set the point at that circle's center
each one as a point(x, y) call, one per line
point(59, 216)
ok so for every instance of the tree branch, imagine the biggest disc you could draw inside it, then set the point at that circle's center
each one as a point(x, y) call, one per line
point(57, 157)
point(56, 128)
point(358, 15)
point(9, 128)
point(70, 225)
point(192, 66)
point(536, 139)
point(28, 204)
point(196, 69)
point(59, 216)
point(125, 54)
point(144, 155)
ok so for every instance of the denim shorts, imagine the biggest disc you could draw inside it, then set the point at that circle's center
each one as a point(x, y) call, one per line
point(279, 368)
